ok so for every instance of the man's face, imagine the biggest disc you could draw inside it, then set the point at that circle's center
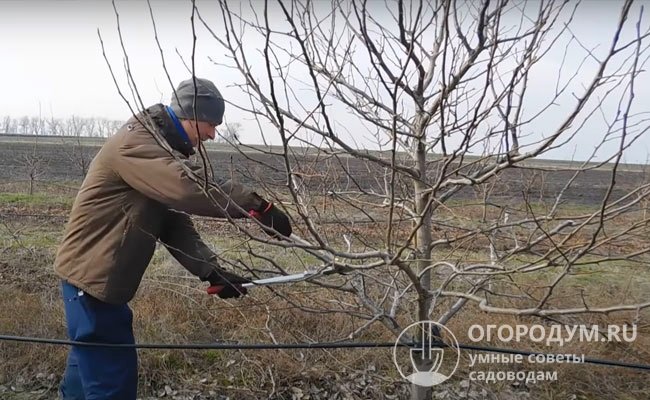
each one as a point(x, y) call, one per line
point(198, 132)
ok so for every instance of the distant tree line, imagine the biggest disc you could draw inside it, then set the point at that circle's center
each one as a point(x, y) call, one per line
point(89, 127)
point(73, 126)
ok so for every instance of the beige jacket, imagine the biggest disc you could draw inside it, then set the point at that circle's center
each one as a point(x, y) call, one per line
point(136, 193)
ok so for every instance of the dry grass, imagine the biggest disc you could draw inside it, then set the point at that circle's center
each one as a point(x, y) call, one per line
point(171, 307)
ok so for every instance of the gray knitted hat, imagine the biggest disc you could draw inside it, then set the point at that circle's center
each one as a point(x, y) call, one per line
point(209, 103)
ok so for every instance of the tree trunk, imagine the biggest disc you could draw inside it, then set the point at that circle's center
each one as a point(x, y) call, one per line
point(424, 239)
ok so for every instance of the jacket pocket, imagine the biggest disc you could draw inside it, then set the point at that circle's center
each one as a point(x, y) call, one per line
point(134, 252)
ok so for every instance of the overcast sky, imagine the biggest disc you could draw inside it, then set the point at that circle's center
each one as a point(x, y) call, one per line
point(52, 63)
point(52, 57)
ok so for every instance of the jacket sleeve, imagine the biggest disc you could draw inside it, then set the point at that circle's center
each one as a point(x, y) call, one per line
point(148, 168)
point(185, 244)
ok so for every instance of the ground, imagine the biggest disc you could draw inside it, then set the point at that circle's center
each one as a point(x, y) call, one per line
point(171, 306)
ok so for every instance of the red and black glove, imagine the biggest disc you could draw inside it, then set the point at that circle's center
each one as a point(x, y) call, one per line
point(270, 216)
point(225, 284)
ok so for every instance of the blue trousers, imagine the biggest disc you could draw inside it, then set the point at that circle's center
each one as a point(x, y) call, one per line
point(98, 373)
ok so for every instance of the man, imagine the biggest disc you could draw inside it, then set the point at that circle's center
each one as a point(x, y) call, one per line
point(139, 190)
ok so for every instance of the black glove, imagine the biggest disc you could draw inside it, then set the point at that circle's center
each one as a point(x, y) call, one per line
point(225, 284)
point(270, 216)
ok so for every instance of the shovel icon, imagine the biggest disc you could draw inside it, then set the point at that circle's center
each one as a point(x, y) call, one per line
point(426, 359)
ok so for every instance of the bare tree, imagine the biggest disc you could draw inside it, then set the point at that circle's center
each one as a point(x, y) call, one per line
point(441, 92)
point(34, 166)
point(8, 125)
point(78, 152)
point(53, 126)
point(36, 126)
point(23, 125)
point(106, 128)
point(443, 87)
point(229, 133)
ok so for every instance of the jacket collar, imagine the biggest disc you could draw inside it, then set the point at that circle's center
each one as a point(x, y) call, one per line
point(159, 115)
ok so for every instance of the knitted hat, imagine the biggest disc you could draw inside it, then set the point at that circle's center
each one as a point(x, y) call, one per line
point(209, 105)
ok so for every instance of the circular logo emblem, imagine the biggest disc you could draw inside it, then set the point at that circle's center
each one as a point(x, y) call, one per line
point(434, 358)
